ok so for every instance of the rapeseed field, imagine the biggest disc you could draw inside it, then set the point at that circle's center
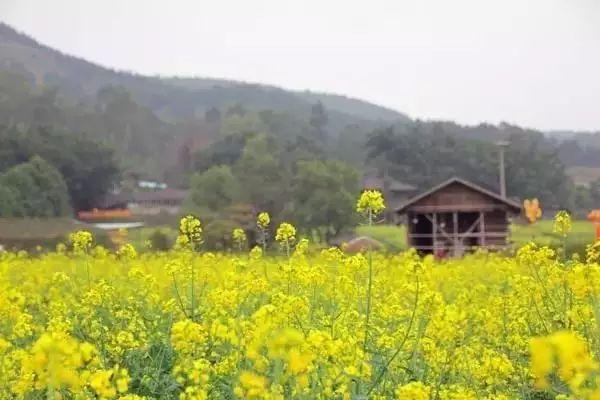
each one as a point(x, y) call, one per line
point(86, 323)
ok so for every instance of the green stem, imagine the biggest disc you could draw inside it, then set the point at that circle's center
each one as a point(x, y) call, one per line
point(332, 300)
point(369, 288)
point(178, 296)
point(408, 329)
point(87, 268)
point(192, 290)
point(289, 280)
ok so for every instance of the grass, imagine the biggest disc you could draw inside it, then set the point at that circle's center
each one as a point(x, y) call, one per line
point(140, 236)
point(28, 233)
point(581, 235)
point(391, 236)
point(394, 237)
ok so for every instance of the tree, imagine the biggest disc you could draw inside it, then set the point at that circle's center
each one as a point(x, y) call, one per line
point(214, 189)
point(595, 193)
point(260, 173)
point(533, 169)
point(323, 195)
point(9, 202)
point(226, 151)
point(236, 109)
point(246, 123)
point(425, 158)
point(212, 115)
point(36, 189)
point(318, 120)
point(88, 168)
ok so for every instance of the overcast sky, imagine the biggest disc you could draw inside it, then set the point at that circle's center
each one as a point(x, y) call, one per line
point(531, 62)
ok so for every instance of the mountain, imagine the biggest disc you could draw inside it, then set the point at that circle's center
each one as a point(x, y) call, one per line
point(155, 122)
point(172, 99)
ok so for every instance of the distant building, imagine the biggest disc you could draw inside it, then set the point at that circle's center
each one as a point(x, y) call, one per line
point(153, 185)
point(148, 202)
point(166, 201)
point(457, 216)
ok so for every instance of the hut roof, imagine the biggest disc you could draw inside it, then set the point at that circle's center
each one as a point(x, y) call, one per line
point(514, 206)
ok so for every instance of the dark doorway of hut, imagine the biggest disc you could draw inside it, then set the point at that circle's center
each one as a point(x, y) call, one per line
point(447, 234)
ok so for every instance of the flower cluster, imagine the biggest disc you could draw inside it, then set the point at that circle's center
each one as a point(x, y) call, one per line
point(370, 203)
point(127, 251)
point(566, 355)
point(286, 233)
point(239, 237)
point(263, 220)
point(81, 241)
point(190, 231)
point(562, 223)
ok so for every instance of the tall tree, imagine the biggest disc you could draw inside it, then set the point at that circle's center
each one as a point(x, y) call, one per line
point(260, 173)
point(36, 189)
point(323, 195)
point(214, 189)
point(318, 120)
point(9, 202)
point(89, 168)
point(426, 158)
point(212, 115)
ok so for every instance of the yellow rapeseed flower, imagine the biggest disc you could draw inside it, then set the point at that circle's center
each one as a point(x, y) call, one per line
point(370, 202)
point(562, 223)
point(190, 230)
point(563, 353)
point(285, 233)
point(413, 391)
point(81, 241)
point(239, 237)
point(251, 385)
point(263, 220)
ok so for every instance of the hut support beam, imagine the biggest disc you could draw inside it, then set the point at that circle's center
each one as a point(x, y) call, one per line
point(455, 240)
point(434, 227)
point(439, 227)
point(482, 231)
point(475, 224)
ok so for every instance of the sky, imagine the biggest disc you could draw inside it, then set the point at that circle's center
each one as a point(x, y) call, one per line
point(535, 63)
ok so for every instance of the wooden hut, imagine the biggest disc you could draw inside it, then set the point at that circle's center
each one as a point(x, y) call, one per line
point(457, 216)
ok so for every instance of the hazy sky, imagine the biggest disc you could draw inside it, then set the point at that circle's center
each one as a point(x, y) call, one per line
point(531, 62)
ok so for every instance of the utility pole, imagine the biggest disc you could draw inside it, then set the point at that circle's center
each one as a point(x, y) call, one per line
point(501, 147)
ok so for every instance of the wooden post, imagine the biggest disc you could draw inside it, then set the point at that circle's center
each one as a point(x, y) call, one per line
point(409, 228)
point(434, 232)
point(455, 231)
point(482, 227)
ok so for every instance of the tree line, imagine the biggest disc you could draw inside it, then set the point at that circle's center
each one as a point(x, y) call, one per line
point(45, 172)
point(426, 157)
point(302, 167)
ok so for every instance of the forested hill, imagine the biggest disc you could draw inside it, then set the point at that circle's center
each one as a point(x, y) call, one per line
point(171, 98)
point(260, 145)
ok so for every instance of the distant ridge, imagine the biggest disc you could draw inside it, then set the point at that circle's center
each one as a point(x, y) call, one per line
point(173, 97)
